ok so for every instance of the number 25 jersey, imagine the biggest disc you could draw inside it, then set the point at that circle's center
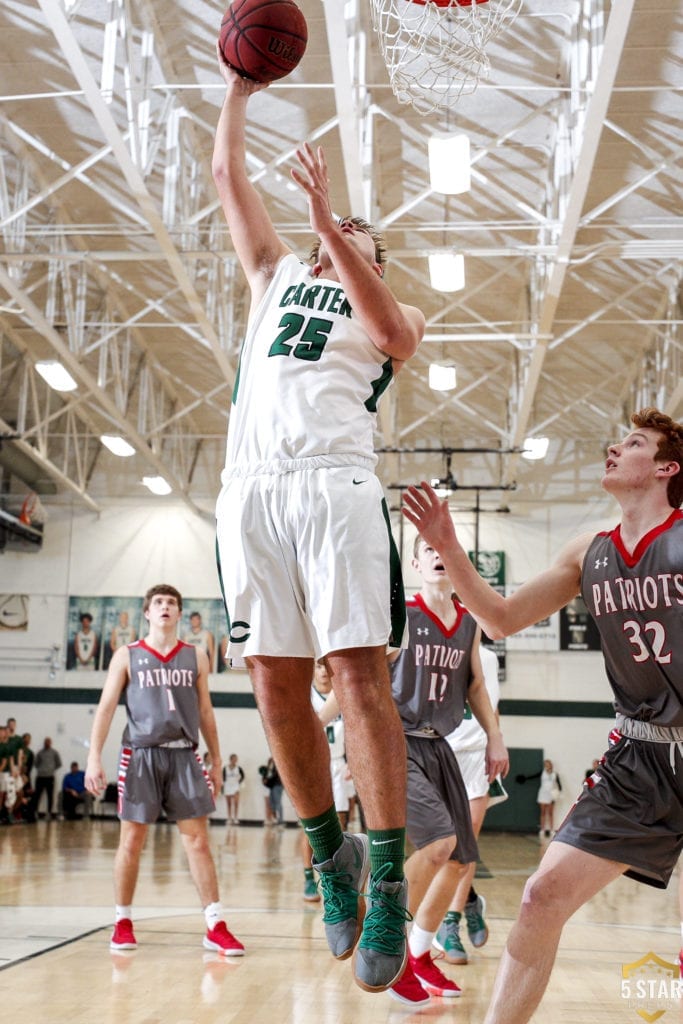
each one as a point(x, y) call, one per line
point(308, 381)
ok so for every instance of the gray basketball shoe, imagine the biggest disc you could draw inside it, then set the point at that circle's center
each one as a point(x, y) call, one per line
point(381, 954)
point(341, 881)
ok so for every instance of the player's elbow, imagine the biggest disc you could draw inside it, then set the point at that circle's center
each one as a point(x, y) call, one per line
point(494, 630)
point(400, 341)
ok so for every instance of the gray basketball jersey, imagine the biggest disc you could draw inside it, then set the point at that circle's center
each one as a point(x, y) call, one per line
point(161, 696)
point(637, 603)
point(430, 678)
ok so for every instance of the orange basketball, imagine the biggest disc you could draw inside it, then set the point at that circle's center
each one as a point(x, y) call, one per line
point(263, 39)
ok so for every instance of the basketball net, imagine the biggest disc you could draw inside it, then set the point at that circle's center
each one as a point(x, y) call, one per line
point(435, 50)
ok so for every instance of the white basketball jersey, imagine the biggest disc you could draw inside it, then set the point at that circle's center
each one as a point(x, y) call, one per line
point(308, 380)
point(334, 730)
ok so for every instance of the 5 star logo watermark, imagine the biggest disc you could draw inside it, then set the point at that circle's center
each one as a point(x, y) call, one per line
point(651, 986)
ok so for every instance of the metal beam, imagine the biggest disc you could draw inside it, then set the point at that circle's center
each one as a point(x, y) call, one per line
point(57, 21)
point(615, 37)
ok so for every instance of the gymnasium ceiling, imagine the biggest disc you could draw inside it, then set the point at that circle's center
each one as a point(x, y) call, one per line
point(115, 258)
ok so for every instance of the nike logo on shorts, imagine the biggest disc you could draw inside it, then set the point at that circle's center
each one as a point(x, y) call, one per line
point(359, 481)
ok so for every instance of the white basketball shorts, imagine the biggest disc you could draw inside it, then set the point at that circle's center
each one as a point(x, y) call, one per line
point(307, 563)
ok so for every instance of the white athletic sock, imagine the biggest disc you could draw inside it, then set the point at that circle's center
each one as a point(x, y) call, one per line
point(419, 940)
point(213, 913)
point(121, 912)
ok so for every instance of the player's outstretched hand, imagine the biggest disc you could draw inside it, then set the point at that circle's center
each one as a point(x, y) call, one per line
point(429, 514)
point(314, 181)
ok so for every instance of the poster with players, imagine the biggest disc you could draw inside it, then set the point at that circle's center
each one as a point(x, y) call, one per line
point(578, 631)
point(203, 625)
point(85, 619)
point(123, 622)
point(491, 566)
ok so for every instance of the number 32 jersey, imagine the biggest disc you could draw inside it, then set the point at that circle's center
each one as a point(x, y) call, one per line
point(308, 381)
point(637, 603)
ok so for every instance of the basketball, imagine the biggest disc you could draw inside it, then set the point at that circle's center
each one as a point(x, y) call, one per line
point(263, 39)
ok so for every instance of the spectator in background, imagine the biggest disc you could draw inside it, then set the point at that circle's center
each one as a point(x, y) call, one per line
point(14, 742)
point(233, 777)
point(47, 762)
point(74, 793)
point(6, 777)
point(548, 792)
point(86, 644)
point(268, 816)
point(272, 780)
point(29, 756)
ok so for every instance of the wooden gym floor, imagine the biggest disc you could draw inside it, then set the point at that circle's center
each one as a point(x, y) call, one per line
point(56, 913)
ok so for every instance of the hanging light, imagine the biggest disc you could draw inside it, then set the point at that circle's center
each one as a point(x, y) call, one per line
point(447, 271)
point(157, 484)
point(117, 445)
point(535, 448)
point(449, 163)
point(56, 375)
point(442, 377)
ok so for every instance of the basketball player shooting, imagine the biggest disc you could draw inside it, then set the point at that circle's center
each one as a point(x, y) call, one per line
point(304, 542)
point(629, 579)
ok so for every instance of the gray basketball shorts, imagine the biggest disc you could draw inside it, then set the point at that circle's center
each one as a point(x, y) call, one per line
point(437, 805)
point(631, 809)
point(172, 779)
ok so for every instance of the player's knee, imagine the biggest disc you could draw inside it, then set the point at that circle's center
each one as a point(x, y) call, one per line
point(438, 853)
point(543, 897)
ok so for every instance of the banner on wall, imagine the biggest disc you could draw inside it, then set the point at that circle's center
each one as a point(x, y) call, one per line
point(491, 566)
point(97, 626)
point(578, 631)
point(14, 612)
point(542, 636)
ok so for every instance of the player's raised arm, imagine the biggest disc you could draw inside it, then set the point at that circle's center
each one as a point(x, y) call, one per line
point(394, 327)
point(256, 242)
point(497, 615)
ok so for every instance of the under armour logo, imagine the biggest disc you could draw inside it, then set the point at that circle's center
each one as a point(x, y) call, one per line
point(144, 661)
point(421, 631)
point(600, 562)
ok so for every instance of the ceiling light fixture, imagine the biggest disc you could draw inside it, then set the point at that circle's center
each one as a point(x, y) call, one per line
point(56, 375)
point(449, 163)
point(447, 271)
point(535, 448)
point(442, 378)
point(157, 484)
point(117, 445)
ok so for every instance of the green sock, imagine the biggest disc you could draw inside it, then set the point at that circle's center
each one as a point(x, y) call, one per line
point(387, 846)
point(324, 833)
point(308, 874)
